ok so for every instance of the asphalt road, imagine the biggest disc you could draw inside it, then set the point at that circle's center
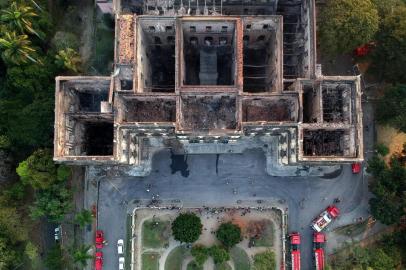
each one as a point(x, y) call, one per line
point(211, 179)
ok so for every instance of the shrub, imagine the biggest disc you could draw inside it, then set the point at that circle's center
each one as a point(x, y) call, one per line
point(265, 261)
point(200, 253)
point(219, 254)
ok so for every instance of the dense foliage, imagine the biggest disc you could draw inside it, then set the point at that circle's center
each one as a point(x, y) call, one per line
point(229, 234)
point(347, 24)
point(38, 170)
point(386, 254)
point(390, 53)
point(83, 218)
point(187, 228)
point(388, 186)
point(395, 99)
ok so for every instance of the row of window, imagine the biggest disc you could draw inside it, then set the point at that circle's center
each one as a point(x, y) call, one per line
point(207, 40)
point(192, 29)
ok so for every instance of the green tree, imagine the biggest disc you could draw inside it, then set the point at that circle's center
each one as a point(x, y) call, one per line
point(15, 194)
point(27, 106)
point(347, 24)
point(19, 18)
point(9, 258)
point(38, 170)
point(187, 227)
point(63, 172)
point(265, 261)
point(11, 225)
point(219, 254)
point(81, 255)
point(382, 149)
point(395, 99)
point(200, 254)
point(376, 165)
point(68, 59)
point(379, 260)
point(389, 184)
point(52, 203)
point(16, 49)
point(229, 234)
point(83, 218)
point(390, 53)
point(31, 251)
point(55, 259)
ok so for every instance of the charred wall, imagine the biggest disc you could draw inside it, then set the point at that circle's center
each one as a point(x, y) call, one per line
point(156, 54)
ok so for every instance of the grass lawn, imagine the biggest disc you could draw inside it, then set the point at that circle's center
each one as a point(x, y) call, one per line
point(223, 266)
point(392, 138)
point(150, 261)
point(240, 258)
point(267, 237)
point(176, 257)
point(193, 266)
point(155, 233)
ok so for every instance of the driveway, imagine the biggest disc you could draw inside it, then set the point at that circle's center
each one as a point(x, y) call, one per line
point(222, 180)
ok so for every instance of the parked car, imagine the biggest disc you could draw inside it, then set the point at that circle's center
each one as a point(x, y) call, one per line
point(57, 234)
point(356, 167)
point(99, 239)
point(121, 262)
point(120, 246)
point(98, 263)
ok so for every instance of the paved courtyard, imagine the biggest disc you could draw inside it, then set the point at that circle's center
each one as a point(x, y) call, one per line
point(222, 180)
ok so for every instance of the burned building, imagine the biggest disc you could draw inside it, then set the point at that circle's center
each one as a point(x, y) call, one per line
point(216, 73)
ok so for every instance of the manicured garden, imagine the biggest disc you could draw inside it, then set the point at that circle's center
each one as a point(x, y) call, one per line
point(155, 233)
point(150, 261)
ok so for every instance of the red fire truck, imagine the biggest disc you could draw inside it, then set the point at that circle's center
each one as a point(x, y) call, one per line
point(295, 250)
point(318, 243)
point(325, 218)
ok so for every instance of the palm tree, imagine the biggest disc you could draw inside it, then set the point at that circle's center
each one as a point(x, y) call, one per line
point(69, 59)
point(18, 18)
point(16, 49)
point(83, 218)
point(81, 255)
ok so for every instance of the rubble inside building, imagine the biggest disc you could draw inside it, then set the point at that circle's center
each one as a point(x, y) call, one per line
point(219, 72)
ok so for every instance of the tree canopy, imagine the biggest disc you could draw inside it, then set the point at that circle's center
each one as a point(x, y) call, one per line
point(347, 24)
point(390, 53)
point(395, 99)
point(83, 218)
point(19, 17)
point(187, 228)
point(389, 184)
point(229, 234)
point(52, 203)
point(16, 49)
point(363, 258)
point(38, 170)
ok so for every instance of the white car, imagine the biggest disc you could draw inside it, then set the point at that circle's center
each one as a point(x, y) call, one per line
point(57, 234)
point(120, 246)
point(121, 261)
